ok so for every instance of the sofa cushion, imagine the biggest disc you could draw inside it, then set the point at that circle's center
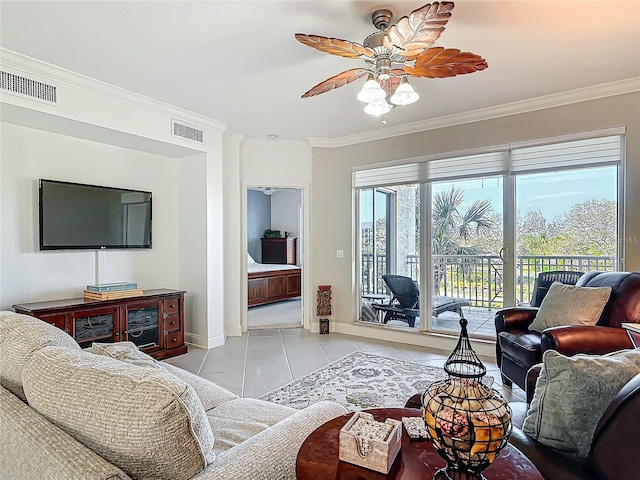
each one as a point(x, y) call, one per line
point(522, 345)
point(144, 421)
point(20, 337)
point(570, 305)
point(210, 394)
point(238, 420)
point(571, 395)
point(32, 448)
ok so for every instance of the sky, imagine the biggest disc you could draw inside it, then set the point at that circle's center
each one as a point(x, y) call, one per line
point(549, 193)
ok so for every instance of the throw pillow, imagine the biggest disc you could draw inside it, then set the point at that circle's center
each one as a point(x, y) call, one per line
point(210, 394)
point(250, 258)
point(571, 395)
point(146, 422)
point(570, 305)
point(20, 337)
point(125, 352)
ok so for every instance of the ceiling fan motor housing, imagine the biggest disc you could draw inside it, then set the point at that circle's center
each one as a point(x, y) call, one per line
point(381, 19)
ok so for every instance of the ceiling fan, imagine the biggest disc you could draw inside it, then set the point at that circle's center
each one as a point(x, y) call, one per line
point(394, 53)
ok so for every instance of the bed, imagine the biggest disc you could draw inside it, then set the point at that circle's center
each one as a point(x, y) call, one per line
point(269, 283)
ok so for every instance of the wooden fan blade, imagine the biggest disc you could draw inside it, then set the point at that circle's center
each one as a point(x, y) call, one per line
point(438, 62)
point(335, 46)
point(336, 81)
point(411, 35)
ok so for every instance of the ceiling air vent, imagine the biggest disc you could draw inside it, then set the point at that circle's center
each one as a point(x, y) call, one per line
point(185, 131)
point(28, 88)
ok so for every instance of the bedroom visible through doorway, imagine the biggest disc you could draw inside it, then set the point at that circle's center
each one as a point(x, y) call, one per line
point(274, 259)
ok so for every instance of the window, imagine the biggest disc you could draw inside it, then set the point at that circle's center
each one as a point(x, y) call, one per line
point(495, 220)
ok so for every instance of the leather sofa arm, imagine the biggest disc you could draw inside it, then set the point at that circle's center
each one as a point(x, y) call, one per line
point(614, 447)
point(532, 378)
point(515, 318)
point(572, 339)
point(551, 464)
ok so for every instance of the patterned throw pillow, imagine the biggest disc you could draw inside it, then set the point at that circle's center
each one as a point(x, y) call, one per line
point(143, 420)
point(570, 305)
point(571, 395)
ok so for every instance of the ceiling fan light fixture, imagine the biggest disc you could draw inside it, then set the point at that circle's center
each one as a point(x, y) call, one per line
point(392, 54)
point(377, 107)
point(404, 94)
point(371, 91)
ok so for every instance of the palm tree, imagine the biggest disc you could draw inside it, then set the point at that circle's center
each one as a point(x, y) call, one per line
point(453, 229)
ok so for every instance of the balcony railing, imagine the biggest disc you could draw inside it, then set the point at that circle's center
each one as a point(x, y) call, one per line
point(479, 278)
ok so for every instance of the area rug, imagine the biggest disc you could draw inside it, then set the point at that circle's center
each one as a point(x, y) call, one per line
point(358, 381)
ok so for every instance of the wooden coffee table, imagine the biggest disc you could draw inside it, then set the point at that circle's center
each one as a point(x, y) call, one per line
point(417, 460)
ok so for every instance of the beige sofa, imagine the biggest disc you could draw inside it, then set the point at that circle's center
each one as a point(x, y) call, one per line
point(115, 413)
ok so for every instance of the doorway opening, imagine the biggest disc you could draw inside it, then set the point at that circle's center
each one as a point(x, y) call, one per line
point(274, 257)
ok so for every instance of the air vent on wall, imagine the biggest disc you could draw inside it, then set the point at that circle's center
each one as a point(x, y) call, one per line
point(185, 131)
point(28, 88)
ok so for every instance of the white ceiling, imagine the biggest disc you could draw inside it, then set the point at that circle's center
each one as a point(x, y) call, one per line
point(238, 62)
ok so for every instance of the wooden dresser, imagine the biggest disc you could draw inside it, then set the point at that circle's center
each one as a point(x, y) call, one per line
point(154, 321)
point(279, 250)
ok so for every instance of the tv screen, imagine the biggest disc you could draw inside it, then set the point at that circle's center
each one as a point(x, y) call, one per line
point(76, 216)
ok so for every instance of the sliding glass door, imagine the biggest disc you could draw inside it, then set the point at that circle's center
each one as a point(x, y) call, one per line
point(470, 234)
point(467, 270)
point(389, 244)
point(566, 220)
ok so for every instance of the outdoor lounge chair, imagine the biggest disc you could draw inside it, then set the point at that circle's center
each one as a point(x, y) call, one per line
point(545, 279)
point(405, 301)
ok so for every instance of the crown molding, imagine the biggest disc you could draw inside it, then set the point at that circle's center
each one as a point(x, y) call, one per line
point(539, 103)
point(21, 64)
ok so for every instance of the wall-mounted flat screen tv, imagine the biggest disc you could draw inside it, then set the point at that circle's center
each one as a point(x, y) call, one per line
point(76, 216)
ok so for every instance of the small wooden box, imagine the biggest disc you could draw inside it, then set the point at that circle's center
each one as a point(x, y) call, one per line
point(380, 454)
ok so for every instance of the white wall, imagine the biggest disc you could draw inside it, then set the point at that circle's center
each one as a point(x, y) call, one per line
point(31, 275)
point(285, 215)
point(234, 247)
point(191, 224)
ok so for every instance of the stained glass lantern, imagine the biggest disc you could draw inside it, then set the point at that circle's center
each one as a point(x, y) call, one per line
point(468, 421)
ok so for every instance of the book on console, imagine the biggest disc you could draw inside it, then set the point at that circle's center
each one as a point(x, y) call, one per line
point(113, 295)
point(112, 287)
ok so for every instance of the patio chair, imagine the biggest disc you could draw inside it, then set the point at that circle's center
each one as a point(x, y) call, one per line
point(545, 279)
point(405, 301)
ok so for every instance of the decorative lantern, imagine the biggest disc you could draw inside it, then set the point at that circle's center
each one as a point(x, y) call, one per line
point(468, 422)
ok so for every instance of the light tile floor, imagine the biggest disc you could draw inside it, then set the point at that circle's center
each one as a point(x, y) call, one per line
point(263, 360)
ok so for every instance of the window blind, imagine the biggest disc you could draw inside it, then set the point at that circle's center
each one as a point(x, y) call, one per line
point(567, 155)
point(585, 152)
point(483, 164)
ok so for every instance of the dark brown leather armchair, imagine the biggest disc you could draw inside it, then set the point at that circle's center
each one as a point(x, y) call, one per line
point(613, 453)
point(518, 348)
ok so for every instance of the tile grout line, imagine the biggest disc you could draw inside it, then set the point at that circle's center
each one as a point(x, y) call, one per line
point(203, 360)
point(286, 357)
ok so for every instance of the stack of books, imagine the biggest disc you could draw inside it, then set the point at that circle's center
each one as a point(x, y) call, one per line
point(112, 291)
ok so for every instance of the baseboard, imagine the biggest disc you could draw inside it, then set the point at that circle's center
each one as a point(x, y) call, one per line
point(446, 343)
point(195, 340)
point(202, 342)
point(216, 341)
point(233, 331)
